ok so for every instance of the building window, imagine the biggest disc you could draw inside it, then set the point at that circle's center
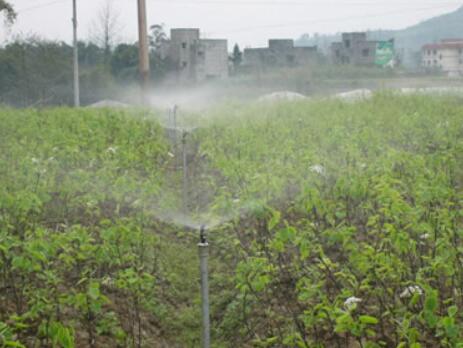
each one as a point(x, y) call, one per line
point(365, 52)
point(184, 45)
point(434, 52)
point(200, 54)
point(290, 59)
point(184, 64)
point(348, 43)
point(460, 61)
point(338, 54)
point(429, 52)
point(435, 62)
point(440, 56)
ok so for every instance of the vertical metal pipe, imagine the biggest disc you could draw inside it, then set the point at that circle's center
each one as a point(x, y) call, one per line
point(174, 113)
point(203, 258)
point(76, 56)
point(185, 173)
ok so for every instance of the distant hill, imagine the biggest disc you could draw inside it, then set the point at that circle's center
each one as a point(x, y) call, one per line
point(408, 41)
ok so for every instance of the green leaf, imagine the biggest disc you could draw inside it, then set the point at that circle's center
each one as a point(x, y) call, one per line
point(275, 220)
point(366, 319)
point(452, 311)
point(94, 291)
point(14, 344)
point(431, 302)
point(430, 319)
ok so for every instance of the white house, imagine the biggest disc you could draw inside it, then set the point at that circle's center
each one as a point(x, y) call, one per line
point(446, 56)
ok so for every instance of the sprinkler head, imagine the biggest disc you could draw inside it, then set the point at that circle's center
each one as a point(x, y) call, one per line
point(202, 234)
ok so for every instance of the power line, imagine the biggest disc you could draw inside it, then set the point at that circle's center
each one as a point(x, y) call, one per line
point(289, 3)
point(31, 8)
point(278, 3)
point(328, 20)
point(241, 3)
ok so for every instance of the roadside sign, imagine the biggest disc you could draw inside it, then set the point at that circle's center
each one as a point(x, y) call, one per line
point(385, 53)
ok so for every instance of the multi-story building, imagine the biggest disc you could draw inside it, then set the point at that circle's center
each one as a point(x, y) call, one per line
point(355, 49)
point(446, 56)
point(193, 58)
point(279, 53)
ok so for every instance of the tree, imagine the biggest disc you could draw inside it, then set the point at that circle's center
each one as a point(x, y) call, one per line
point(237, 56)
point(124, 62)
point(8, 10)
point(35, 72)
point(157, 36)
point(159, 61)
point(105, 29)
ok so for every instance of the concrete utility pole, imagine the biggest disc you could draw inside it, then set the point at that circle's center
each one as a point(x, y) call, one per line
point(144, 63)
point(203, 247)
point(76, 56)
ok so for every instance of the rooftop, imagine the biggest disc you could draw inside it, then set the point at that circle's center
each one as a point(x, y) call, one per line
point(444, 45)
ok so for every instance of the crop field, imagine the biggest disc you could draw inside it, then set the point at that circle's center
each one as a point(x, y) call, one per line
point(331, 224)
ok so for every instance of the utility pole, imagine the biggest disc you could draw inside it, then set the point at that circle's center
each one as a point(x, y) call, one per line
point(144, 63)
point(76, 56)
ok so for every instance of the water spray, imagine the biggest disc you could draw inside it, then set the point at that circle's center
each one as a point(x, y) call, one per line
point(203, 247)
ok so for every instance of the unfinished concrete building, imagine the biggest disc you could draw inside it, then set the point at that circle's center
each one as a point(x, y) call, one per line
point(195, 59)
point(279, 53)
point(354, 49)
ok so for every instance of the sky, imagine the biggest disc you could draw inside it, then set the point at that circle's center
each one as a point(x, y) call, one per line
point(247, 22)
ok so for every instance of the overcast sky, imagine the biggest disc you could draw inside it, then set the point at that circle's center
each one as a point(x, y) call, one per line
point(247, 22)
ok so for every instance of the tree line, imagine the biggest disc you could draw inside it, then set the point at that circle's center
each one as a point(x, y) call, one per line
point(35, 71)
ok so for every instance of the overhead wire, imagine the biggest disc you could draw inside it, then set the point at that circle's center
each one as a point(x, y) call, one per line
point(274, 2)
point(245, 3)
point(36, 7)
point(240, 3)
point(287, 3)
point(328, 20)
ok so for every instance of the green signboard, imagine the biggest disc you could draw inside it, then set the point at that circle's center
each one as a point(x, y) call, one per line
point(385, 53)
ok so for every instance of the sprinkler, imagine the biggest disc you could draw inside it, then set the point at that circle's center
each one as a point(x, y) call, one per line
point(203, 247)
point(202, 234)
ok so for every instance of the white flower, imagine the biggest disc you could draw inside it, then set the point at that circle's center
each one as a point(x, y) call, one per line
point(35, 160)
point(319, 169)
point(170, 154)
point(351, 302)
point(236, 200)
point(111, 149)
point(410, 291)
point(425, 236)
